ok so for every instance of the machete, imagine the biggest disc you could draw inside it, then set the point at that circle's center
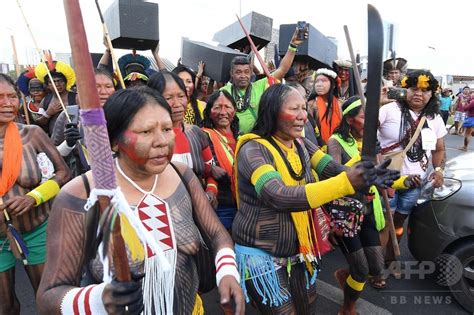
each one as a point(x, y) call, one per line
point(374, 84)
point(374, 81)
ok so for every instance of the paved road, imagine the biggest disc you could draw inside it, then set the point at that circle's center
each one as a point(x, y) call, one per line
point(406, 296)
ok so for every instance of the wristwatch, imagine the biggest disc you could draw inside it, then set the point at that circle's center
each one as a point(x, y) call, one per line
point(439, 169)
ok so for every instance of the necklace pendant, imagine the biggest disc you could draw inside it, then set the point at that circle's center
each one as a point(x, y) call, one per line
point(240, 103)
point(155, 216)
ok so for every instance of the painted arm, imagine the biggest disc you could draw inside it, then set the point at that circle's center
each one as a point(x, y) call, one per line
point(204, 213)
point(65, 249)
point(256, 165)
point(334, 150)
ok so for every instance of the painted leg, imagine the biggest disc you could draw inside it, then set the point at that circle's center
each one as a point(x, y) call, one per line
point(9, 304)
point(34, 273)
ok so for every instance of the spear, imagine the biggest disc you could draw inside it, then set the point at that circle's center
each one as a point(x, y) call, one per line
point(271, 80)
point(95, 128)
point(43, 59)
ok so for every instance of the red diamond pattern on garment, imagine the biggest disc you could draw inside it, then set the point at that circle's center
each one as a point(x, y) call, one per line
point(154, 214)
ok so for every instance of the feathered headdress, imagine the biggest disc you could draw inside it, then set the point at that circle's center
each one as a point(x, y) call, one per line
point(55, 66)
point(395, 64)
point(24, 79)
point(133, 63)
point(340, 63)
point(327, 72)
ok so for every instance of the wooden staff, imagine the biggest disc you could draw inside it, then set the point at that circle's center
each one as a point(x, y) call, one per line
point(391, 226)
point(102, 164)
point(17, 70)
point(41, 55)
point(110, 46)
point(255, 51)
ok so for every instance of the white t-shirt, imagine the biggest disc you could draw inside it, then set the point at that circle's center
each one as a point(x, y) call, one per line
point(390, 117)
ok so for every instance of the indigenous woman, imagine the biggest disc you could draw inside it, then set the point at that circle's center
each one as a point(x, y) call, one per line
point(141, 133)
point(327, 109)
point(195, 108)
point(398, 122)
point(362, 250)
point(66, 134)
point(25, 201)
point(192, 145)
point(277, 186)
point(222, 127)
point(63, 78)
point(191, 148)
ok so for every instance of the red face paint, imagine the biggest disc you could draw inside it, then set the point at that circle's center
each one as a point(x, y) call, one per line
point(286, 116)
point(135, 151)
point(221, 108)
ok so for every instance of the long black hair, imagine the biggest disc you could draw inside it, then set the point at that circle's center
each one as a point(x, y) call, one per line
point(123, 105)
point(330, 96)
point(269, 107)
point(207, 121)
point(193, 97)
point(344, 130)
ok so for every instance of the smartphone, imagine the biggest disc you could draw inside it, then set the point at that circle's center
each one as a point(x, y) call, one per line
point(399, 94)
point(302, 28)
point(73, 112)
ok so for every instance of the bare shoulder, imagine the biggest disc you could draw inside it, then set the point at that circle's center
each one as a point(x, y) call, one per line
point(76, 187)
point(31, 130)
point(181, 167)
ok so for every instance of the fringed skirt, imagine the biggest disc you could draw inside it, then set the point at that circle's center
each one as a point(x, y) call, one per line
point(275, 285)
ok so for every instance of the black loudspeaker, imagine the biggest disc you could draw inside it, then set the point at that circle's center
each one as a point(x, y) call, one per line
point(216, 58)
point(133, 24)
point(258, 26)
point(318, 50)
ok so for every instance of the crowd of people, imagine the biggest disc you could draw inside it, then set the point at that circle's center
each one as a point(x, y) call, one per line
point(245, 184)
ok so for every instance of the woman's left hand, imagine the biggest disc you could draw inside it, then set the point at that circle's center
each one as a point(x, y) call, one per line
point(19, 205)
point(437, 178)
point(230, 288)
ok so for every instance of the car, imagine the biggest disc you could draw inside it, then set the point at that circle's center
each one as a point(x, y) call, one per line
point(441, 227)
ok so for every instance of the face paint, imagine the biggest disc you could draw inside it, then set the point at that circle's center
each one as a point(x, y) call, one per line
point(222, 112)
point(135, 151)
point(286, 116)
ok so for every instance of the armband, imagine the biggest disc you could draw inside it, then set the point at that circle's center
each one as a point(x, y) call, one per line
point(44, 192)
point(87, 300)
point(226, 265)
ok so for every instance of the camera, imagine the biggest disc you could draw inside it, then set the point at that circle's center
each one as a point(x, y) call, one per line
point(399, 94)
point(302, 29)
